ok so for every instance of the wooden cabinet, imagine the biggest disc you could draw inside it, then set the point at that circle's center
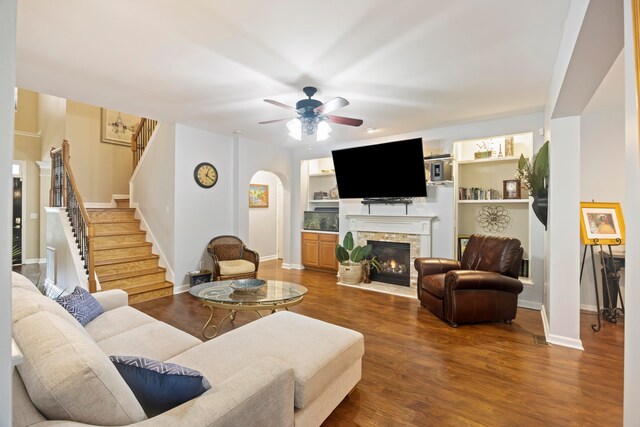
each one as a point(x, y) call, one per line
point(319, 251)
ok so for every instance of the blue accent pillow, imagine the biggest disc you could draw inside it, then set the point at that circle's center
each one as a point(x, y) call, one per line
point(159, 386)
point(81, 304)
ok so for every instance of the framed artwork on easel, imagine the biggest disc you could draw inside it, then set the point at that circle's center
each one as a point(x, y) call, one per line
point(601, 223)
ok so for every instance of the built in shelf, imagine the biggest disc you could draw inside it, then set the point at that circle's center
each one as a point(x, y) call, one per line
point(489, 160)
point(526, 280)
point(495, 201)
point(324, 201)
point(323, 174)
point(436, 183)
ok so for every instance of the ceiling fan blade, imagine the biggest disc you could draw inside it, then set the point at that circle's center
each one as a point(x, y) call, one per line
point(266, 122)
point(332, 105)
point(280, 104)
point(344, 120)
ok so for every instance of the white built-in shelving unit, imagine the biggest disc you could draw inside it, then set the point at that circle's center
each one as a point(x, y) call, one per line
point(489, 173)
point(321, 178)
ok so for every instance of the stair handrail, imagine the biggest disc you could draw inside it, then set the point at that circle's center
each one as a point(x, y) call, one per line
point(65, 193)
point(140, 139)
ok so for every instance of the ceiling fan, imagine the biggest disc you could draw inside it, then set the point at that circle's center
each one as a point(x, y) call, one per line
point(313, 116)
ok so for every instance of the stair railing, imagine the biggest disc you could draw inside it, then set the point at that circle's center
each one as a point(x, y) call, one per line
point(64, 193)
point(141, 138)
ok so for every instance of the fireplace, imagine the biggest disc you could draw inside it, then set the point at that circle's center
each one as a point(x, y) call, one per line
point(394, 260)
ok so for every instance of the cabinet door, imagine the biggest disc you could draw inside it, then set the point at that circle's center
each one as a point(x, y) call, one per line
point(310, 250)
point(328, 252)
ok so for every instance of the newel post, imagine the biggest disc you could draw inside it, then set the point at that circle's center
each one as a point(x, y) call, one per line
point(65, 165)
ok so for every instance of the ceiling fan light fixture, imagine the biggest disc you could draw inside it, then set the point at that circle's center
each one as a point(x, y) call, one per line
point(295, 129)
point(323, 131)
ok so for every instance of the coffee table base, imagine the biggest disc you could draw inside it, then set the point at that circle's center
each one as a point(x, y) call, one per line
point(234, 308)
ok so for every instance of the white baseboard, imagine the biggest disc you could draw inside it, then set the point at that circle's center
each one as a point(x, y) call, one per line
point(268, 257)
point(588, 307)
point(557, 339)
point(33, 261)
point(292, 266)
point(169, 275)
point(530, 304)
point(182, 288)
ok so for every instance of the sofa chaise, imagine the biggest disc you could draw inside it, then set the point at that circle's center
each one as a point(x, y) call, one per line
point(282, 370)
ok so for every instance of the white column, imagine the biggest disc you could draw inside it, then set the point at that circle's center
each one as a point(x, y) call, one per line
point(564, 233)
point(632, 222)
point(7, 84)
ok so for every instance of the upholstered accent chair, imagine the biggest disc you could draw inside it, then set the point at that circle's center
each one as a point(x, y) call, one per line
point(232, 259)
point(483, 287)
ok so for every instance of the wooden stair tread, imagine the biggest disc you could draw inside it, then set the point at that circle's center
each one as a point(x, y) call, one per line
point(127, 274)
point(122, 198)
point(111, 209)
point(123, 246)
point(117, 221)
point(125, 259)
point(139, 289)
point(118, 233)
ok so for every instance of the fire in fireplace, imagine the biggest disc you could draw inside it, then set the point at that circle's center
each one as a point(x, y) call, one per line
point(394, 260)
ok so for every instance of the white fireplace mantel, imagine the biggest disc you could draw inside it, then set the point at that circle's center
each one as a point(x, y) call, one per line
point(407, 224)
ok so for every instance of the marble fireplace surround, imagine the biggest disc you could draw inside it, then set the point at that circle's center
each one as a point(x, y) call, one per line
point(415, 230)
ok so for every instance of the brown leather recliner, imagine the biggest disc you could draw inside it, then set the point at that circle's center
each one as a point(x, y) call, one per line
point(484, 286)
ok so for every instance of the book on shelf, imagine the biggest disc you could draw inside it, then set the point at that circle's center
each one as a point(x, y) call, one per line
point(475, 193)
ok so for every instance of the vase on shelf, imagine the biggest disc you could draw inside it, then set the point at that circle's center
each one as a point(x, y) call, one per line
point(540, 207)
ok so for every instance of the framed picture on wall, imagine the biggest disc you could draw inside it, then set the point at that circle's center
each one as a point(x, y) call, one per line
point(463, 239)
point(601, 223)
point(258, 196)
point(117, 127)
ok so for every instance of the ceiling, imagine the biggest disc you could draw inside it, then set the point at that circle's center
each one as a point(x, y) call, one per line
point(404, 66)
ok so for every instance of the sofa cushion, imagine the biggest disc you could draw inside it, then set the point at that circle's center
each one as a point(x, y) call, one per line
point(237, 266)
point(116, 321)
point(20, 281)
point(81, 305)
point(159, 386)
point(317, 351)
point(26, 303)
point(68, 377)
point(155, 340)
point(434, 284)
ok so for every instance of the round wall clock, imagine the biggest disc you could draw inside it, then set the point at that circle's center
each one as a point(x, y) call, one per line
point(205, 175)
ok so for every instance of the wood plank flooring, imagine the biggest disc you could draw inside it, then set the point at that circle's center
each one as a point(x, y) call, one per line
point(417, 371)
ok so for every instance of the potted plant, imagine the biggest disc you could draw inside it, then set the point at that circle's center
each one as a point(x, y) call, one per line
point(350, 258)
point(367, 265)
point(535, 178)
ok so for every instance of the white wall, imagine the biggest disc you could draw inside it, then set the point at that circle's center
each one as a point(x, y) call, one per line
point(253, 156)
point(152, 191)
point(69, 268)
point(201, 213)
point(632, 222)
point(263, 226)
point(602, 151)
point(440, 200)
point(7, 83)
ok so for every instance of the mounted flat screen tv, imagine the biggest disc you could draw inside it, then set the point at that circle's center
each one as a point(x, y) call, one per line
point(390, 170)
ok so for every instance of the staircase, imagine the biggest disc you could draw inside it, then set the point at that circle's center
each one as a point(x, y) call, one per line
point(122, 257)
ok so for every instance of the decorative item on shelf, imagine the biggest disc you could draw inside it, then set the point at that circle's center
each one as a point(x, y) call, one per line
point(535, 178)
point(258, 196)
point(350, 258)
point(320, 195)
point(509, 146)
point(500, 151)
point(440, 170)
point(493, 219)
point(484, 151)
point(524, 268)
point(333, 193)
point(475, 193)
point(511, 189)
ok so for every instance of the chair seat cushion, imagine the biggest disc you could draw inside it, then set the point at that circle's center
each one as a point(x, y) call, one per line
point(236, 266)
point(434, 284)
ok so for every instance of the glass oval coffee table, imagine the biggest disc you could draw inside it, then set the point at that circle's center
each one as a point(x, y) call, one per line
point(275, 295)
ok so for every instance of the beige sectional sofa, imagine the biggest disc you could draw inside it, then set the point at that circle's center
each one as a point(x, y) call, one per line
point(282, 370)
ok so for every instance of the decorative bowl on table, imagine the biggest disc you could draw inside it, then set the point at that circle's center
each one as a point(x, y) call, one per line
point(247, 286)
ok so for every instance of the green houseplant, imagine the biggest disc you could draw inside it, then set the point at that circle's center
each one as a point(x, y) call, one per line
point(535, 178)
point(350, 258)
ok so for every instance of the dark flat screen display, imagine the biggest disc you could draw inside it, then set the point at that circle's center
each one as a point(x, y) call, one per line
point(392, 169)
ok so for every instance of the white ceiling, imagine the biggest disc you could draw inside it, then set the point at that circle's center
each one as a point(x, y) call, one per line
point(404, 65)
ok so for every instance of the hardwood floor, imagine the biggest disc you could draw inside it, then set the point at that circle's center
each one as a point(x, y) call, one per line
point(418, 371)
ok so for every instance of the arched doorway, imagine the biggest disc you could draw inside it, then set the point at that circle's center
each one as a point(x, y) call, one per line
point(266, 216)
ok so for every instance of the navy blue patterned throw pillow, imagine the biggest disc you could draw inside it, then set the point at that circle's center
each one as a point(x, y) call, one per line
point(159, 386)
point(81, 304)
